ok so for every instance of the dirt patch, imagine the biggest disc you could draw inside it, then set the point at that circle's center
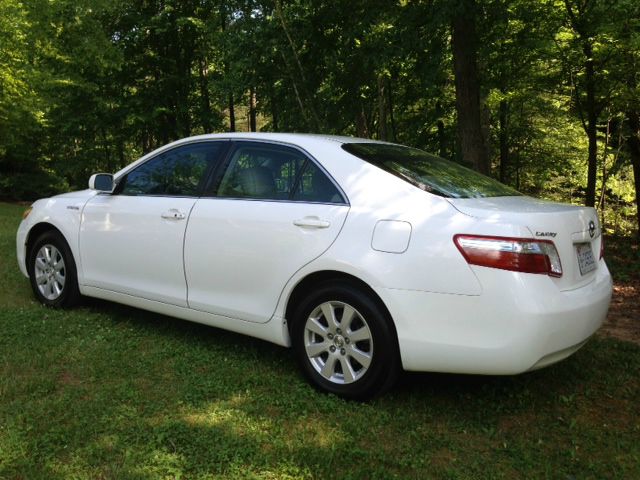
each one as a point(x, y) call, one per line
point(623, 321)
point(67, 378)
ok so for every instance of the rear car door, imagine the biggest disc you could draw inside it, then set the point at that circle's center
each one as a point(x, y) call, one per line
point(132, 240)
point(272, 209)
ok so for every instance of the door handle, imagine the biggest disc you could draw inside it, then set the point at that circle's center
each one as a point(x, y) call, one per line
point(311, 222)
point(173, 214)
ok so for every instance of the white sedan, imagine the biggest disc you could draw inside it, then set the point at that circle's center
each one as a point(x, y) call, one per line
point(365, 257)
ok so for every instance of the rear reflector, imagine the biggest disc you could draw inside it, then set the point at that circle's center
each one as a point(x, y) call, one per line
point(527, 255)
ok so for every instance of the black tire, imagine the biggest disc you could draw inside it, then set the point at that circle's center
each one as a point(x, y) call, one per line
point(382, 348)
point(69, 293)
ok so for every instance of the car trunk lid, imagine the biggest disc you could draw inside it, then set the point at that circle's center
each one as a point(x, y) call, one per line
point(574, 230)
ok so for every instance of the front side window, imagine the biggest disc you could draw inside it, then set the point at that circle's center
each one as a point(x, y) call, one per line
point(428, 172)
point(178, 172)
point(272, 172)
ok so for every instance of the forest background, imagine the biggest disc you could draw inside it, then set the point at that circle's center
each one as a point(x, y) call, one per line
point(542, 94)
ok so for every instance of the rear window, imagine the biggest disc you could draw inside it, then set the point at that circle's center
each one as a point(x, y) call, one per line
point(428, 172)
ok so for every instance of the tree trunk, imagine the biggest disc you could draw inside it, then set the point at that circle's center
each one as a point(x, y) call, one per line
point(362, 129)
point(591, 127)
point(316, 124)
point(107, 151)
point(274, 113)
point(391, 117)
point(232, 111)
point(504, 141)
point(252, 109)
point(121, 157)
point(442, 138)
point(603, 190)
point(296, 91)
point(467, 81)
point(144, 141)
point(232, 114)
point(633, 120)
point(382, 109)
point(204, 96)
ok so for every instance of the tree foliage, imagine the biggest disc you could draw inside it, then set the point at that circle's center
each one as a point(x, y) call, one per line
point(544, 95)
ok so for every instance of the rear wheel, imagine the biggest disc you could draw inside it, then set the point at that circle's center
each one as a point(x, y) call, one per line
point(52, 271)
point(344, 342)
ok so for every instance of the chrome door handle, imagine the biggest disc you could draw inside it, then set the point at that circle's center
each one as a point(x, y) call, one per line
point(174, 214)
point(311, 222)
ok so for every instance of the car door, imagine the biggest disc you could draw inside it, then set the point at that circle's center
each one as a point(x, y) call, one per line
point(132, 240)
point(271, 211)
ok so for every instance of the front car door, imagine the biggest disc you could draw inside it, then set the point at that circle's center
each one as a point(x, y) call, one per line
point(271, 211)
point(131, 241)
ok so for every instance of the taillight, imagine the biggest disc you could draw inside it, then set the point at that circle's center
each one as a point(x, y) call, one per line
point(525, 255)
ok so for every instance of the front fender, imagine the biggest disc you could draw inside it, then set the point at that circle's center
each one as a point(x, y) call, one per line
point(63, 213)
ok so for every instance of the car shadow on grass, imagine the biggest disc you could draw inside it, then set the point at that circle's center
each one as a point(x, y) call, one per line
point(449, 387)
point(132, 394)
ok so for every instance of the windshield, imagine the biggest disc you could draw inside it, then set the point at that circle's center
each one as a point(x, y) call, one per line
point(428, 172)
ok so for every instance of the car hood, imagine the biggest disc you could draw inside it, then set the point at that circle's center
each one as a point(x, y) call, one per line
point(78, 195)
point(79, 198)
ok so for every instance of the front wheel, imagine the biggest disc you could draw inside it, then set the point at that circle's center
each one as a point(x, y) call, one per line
point(344, 342)
point(52, 271)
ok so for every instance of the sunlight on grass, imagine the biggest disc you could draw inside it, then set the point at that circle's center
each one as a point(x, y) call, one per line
point(105, 391)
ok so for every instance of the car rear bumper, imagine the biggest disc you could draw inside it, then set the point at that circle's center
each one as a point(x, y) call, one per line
point(520, 322)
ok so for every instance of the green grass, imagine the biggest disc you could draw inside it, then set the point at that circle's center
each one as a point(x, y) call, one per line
point(105, 391)
point(623, 258)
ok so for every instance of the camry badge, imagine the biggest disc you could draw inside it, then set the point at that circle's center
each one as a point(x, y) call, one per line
point(592, 228)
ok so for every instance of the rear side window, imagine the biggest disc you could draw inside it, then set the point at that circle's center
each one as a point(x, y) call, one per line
point(261, 172)
point(272, 172)
point(315, 186)
point(429, 172)
point(178, 172)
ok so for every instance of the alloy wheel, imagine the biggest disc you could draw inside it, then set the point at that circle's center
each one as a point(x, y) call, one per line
point(338, 342)
point(50, 272)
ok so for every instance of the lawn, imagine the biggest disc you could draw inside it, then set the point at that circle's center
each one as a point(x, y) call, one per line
point(106, 391)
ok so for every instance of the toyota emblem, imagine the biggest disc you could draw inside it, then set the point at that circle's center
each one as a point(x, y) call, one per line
point(592, 228)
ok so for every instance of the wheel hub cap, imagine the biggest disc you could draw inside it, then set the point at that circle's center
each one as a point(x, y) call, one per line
point(338, 342)
point(50, 272)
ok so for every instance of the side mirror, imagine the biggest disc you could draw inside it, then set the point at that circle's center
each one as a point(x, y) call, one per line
point(102, 182)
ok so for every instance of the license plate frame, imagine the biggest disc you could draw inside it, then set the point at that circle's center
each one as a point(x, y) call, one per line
point(586, 261)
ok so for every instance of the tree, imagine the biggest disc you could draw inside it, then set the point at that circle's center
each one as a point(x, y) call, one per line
point(544, 92)
point(586, 56)
point(464, 43)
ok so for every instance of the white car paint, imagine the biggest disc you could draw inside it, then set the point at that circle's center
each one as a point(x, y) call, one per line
point(134, 245)
point(234, 263)
point(258, 246)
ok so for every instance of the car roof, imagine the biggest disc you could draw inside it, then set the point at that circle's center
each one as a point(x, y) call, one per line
point(306, 141)
point(296, 138)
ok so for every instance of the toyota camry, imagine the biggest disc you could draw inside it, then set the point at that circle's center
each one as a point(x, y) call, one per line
point(365, 257)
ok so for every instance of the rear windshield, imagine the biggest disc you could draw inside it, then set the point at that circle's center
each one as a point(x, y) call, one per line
point(428, 172)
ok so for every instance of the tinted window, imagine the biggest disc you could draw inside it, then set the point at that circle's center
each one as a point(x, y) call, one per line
point(428, 172)
point(315, 186)
point(178, 172)
point(275, 173)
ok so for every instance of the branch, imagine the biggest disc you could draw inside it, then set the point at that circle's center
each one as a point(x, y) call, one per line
point(297, 59)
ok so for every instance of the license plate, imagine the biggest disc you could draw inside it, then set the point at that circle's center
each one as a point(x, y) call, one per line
point(586, 261)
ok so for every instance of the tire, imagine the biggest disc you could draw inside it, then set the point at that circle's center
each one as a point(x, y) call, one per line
point(354, 356)
point(52, 271)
